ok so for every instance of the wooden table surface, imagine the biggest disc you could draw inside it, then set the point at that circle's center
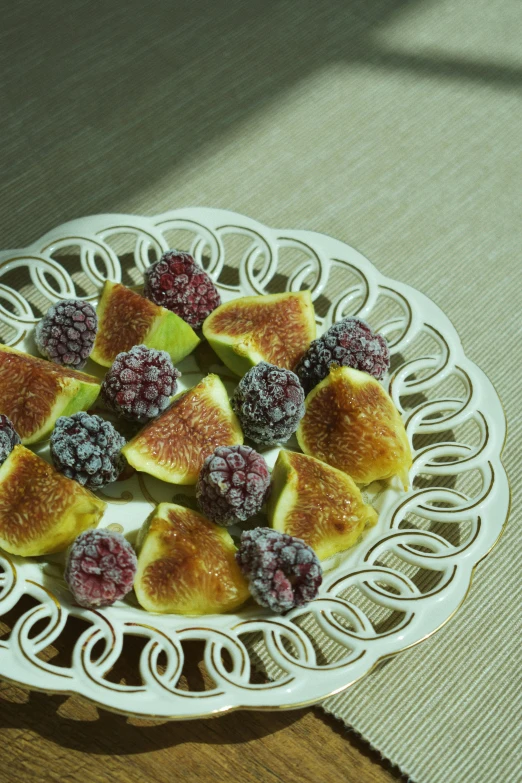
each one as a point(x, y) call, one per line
point(64, 738)
point(61, 738)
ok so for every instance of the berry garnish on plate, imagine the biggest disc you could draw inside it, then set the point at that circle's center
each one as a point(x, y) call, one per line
point(100, 568)
point(66, 333)
point(9, 438)
point(283, 571)
point(140, 383)
point(269, 403)
point(233, 484)
point(178, 283)
point(87, 448)
point(348, 343)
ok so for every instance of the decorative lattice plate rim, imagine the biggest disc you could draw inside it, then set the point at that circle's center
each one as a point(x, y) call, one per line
point(308, 665)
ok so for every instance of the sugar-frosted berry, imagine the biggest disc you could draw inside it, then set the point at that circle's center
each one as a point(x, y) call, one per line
point(87, 448)
point(140, 383)
point(233, 484)
point(9, 438)
point(100, 568)
point(66, 333)
point(282, 571)
point(178, 283)
point(348, 343)
point(269, 402)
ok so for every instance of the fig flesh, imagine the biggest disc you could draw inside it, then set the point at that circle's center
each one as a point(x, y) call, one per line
point(34, 393)
point(352, 424)
point(126, 319)
point(186, 564)
point(41, 511)
point(173, 447)
point(317, 503)
point(276, 328)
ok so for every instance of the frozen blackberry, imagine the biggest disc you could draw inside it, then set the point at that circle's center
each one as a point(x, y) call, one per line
point(269, 402)
point(233, 484)
point(348, 343)
point(9, 438)
point(100, 568)
point(282, 571)
point(178, 283)
point(87, 448)
point(140, 383)
point(66, 333)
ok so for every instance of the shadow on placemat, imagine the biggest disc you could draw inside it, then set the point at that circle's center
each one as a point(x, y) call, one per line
point(100, 106)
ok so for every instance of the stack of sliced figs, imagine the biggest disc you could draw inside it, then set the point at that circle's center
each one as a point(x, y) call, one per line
point(326, 391)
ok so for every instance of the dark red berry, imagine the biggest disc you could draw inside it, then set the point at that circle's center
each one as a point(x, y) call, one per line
point(100, 568)
point(66, 333)
point(269, 402)
point(348, 343)
point(87, 448)
point(178, 283)
point(233, 484)
point(282, 571)
point(140, 383)
point(9, 438)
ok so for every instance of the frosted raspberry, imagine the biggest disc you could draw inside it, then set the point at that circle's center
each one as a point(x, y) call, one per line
point(348, 343)
point(100, 568)
point(269, 402)
point(9, 438)
point(87, 448)
point(179, 284)
point(140, 383)
point(283, 571)
point(66, 333)
point(233, 484)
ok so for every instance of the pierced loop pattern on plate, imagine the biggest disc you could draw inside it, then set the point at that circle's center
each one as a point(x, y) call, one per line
point(407, 576)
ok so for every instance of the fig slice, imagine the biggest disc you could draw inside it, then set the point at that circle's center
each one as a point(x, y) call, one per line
point(126, 319)
point(318, 503)
point(173, 447)
point(42, 511)
point(35, 392)
point(276, 328)
point(352, 424)
point(186, 564)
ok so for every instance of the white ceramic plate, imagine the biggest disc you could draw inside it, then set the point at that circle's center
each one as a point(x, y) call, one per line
point(402, 582)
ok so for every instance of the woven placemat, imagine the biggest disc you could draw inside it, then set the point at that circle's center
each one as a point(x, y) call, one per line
point(392, 125)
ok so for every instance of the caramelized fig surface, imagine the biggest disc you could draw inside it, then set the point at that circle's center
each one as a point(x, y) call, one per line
point(174, 446)
point(186, 564)
point(41, 511)
point(352, 424)
point(35, 392)
point(126, 319)
point(318, 503)
point(276, 328)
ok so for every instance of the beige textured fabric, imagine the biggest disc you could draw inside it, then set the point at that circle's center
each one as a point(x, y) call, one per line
point(395, 126)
